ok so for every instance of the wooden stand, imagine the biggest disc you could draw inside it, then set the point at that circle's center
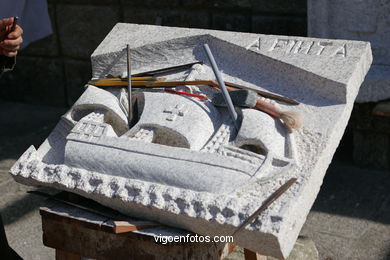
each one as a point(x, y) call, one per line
point(75, 233)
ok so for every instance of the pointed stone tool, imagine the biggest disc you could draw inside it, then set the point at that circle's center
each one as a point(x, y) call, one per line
point(228, 100)
point(130, 113)
point(282, 189)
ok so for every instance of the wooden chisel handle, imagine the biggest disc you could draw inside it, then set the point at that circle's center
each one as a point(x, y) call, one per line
point(177, 83)
point(156, 83)
point(268, 108)
point(261, 105)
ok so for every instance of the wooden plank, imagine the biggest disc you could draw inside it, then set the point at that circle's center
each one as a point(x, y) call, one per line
point(126, 226)
point(101, 245)
point(63, 255)
point(227, 250)
point(250, 255)
point(75, 232)
point(118, 223)
point(74, 216)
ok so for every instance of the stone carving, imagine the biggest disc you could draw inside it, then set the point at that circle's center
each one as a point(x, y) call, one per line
point(183, 162)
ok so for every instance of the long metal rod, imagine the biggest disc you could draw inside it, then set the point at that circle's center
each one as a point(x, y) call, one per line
point(282, 189)
point(168, 69)
point(218, 76)
point(130, 114)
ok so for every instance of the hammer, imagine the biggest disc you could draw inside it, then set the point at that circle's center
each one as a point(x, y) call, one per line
point(248, 98)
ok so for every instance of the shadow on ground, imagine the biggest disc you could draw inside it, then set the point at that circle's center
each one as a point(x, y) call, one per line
point(355, 192)
point(21, 125)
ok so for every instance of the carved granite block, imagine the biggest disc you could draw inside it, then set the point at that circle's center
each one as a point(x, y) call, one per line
point(183, 162)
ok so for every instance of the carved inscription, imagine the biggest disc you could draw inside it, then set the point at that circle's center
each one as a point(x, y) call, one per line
point(307, 47)
point(342, 51)
point(254, 46)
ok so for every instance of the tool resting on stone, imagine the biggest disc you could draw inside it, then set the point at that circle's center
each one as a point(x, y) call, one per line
point(153, 82)
point(248, 98)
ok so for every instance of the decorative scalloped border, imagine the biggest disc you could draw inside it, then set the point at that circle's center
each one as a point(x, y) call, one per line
point(221, 208)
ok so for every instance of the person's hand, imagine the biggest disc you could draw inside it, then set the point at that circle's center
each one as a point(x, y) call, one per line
point(10, 41)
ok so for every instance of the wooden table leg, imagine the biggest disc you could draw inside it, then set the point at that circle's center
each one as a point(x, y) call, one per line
point(63, 255)
point(250, 255)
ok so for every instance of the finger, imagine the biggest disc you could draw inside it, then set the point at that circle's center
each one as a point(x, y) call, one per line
point(16, 33)
point(11, 43)
point(11, 48)
point(4, 24)
point(10, 53)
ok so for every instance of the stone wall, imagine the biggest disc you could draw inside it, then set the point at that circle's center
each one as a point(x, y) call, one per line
point(371, 135)
point(53, 70)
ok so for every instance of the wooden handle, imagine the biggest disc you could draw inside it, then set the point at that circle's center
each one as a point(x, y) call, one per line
point(268, 108)
point(155, 83)
point(263, 93)
point(177, 83)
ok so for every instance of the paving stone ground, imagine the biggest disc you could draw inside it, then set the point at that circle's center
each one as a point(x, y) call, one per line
point(349, 220)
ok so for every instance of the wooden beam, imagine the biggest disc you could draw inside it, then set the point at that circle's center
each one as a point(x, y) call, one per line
point(250, 255)
point(63, 255)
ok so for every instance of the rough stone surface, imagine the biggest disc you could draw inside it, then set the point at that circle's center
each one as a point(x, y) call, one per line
point(364, 20)
point(82, 27)
point(174, 175)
